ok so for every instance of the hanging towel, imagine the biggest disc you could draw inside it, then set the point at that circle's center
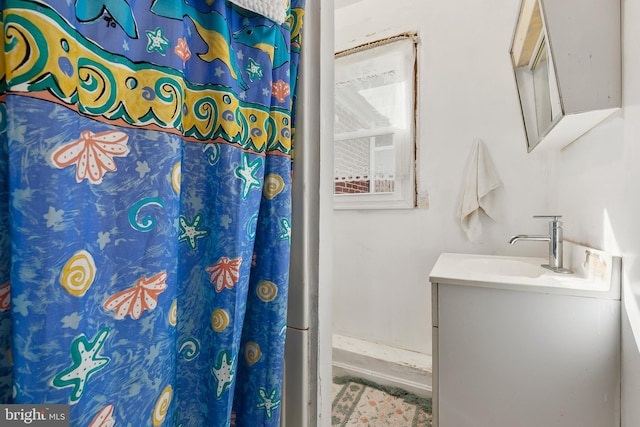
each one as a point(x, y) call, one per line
point(276, 10)
point(477, 191)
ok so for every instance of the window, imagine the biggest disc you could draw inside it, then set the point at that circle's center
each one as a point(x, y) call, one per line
point(374, 140)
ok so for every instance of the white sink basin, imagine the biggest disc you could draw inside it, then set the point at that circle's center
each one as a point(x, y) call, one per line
point(502, 266)
point(596, 274)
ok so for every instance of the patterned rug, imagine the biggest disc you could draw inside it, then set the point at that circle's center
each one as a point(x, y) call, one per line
point(358, 402)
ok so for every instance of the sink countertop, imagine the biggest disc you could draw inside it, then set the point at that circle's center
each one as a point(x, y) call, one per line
point(596, 273)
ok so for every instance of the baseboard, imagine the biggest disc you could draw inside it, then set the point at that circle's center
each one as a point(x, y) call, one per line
point(388, 366)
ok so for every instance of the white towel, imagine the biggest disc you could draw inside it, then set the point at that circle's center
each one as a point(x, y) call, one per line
point(477, 191)
point(276, 10)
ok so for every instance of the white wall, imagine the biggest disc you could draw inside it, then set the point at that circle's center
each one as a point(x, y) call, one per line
point(599, 194)
point(382, 258)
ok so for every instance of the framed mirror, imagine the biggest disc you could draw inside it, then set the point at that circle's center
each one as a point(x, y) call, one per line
point(566, 61)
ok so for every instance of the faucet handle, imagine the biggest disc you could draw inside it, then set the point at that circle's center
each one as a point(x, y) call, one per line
point(554, 218)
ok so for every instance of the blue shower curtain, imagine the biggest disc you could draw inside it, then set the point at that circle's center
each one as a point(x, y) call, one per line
point(145, 198)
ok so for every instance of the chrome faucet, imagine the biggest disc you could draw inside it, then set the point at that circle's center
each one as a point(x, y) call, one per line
point(555, 243)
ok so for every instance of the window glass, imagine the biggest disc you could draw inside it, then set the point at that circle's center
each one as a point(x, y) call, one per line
point(374, 126)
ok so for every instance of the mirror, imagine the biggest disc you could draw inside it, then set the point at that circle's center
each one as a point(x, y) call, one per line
point(567, 66)
point(535, 76)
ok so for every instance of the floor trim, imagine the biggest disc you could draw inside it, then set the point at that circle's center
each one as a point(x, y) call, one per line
point(382, 364)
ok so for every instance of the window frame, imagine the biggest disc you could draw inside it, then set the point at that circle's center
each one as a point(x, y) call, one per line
point(404, 139)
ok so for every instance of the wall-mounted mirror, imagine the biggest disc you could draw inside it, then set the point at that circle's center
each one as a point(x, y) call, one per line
point(539, 97)
point(566, 61)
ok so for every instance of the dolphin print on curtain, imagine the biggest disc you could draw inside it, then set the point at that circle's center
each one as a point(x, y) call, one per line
point(145, 209)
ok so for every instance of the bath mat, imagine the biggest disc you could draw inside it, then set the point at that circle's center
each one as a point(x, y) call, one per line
point(359, 402)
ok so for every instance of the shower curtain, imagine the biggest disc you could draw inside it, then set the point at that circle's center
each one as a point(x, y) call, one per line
point(145, 177)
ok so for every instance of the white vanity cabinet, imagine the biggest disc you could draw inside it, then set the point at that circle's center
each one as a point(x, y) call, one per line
point(517, 355)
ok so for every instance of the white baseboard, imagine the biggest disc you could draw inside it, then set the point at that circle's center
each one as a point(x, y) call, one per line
point(384, 365)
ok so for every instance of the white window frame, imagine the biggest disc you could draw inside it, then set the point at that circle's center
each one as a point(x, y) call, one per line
point(400, 48)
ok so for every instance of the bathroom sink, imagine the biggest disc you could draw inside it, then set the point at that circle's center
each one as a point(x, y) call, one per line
point(595, 273)
point(503, 266)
